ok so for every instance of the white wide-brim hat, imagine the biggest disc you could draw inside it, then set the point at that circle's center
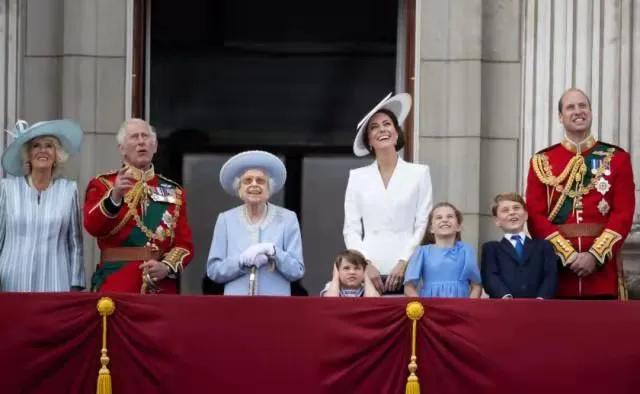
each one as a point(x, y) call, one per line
point(400, 104)
point(66, 131)
point(253, 159)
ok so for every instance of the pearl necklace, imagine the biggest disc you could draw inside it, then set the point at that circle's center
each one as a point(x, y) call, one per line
point(259, 221)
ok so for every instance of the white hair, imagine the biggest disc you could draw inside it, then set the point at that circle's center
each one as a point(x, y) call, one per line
point(125, 125)
point(61, 155)
point(270, 182)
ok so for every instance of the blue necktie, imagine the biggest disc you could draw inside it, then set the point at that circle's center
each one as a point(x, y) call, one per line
point(519, 246)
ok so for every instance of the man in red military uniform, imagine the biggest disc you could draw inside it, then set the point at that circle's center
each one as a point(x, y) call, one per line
point(580, 196)
point(139, 219)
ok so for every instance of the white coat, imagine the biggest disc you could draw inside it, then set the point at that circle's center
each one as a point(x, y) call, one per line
point(386, 225)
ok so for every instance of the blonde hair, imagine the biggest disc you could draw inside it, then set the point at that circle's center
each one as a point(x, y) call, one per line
point(61, 155)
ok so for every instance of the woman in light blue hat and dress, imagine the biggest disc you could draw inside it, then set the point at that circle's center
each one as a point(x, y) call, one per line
point(40, 224)
point(256, 247)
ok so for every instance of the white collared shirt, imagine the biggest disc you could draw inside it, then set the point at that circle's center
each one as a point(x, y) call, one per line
point(522, 235)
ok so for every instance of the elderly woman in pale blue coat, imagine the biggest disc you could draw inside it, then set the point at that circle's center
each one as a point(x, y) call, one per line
point(40, 233)
point(256, 247)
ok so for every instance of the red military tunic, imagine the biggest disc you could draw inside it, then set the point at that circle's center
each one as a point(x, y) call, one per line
point(152, 213)
point(583, 203)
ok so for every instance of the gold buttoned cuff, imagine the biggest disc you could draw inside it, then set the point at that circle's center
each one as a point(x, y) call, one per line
point(603, 245)
point(562, 246)
point(174, 259)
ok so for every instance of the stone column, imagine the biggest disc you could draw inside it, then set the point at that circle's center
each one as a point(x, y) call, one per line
point(74, 67)
point(93, 86)
point(500, 169)
point(449, 96)
point(11, 15)
point(469, 105)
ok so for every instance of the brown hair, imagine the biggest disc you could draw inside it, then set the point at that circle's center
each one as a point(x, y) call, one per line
point(394, 120)
point(512, 196)
point(429, 237)
point(353, 256)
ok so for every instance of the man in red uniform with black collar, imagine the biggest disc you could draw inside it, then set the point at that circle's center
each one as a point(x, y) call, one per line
point(581, 197)
point(139, 219)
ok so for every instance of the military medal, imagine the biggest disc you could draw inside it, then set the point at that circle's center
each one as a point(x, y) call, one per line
point(164, 193)
point(160, 234)
point(603, 207)
point(168, 219)
point(595, 164)
point(603, 186)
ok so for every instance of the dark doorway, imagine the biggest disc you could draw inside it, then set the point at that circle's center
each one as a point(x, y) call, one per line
point(290, 77)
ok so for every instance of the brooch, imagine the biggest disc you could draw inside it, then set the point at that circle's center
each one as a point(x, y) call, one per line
point(602, 186)
point(603, 207)
point(168, 219)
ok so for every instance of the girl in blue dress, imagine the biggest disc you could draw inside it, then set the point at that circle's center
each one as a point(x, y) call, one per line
point(443, 266)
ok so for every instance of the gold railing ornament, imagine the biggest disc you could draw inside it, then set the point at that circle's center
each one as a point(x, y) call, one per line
point(415, 311)
point(106, 307)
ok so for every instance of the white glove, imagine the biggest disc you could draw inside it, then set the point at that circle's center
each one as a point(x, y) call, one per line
point(248, 257)
point(267, 248)
point(260, 260)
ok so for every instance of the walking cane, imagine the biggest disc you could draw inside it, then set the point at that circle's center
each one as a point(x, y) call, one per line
point(252, 281)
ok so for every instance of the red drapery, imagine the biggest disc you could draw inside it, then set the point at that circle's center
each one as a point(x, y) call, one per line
point(184, 344)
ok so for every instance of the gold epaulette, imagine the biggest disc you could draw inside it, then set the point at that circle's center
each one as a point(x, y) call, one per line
point(603, 245)
point(562, 246)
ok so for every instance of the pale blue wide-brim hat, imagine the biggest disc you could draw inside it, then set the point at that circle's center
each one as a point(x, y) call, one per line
point(253, 159)
point(400, 104)
point(66, 131)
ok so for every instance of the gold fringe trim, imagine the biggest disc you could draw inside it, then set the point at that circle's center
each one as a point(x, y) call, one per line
point(415, 311)
point(106, 307)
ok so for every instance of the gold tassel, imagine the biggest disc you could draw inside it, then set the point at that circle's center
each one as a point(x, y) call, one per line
point(415, 311)
point(106, 307)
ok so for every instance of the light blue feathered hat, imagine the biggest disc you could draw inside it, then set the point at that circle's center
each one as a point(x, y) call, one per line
point(66, 131)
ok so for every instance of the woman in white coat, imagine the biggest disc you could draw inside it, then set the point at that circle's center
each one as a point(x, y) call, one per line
point(387, 202)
